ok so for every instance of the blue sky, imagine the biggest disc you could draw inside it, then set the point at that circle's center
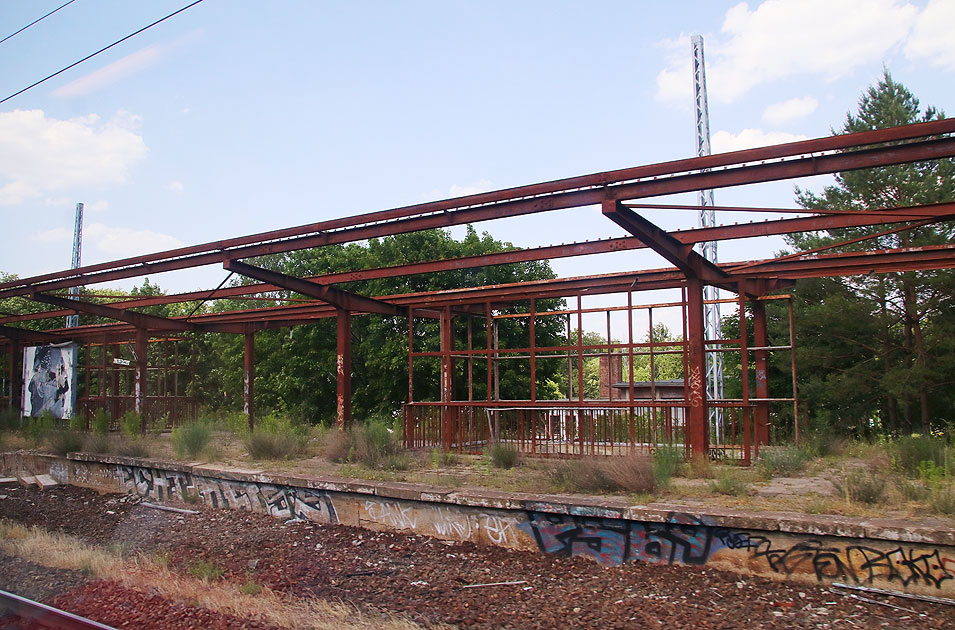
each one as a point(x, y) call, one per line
point(238, 117)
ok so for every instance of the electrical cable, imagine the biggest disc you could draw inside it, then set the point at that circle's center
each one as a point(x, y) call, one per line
point(36, 20)
point(119, 41)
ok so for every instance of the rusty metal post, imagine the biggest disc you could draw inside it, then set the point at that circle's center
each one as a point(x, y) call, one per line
point(696, 363)
point(447, 376)
point(248, 380)
point(343, 369)
point(761, 340)
point(140, 383)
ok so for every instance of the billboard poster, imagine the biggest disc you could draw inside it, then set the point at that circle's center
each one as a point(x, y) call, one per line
point(49, 378)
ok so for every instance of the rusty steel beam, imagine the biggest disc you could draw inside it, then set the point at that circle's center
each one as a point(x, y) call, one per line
point(938, 212)
point(515, 202)
point(335, 297)
point(759, 154)
point(140, 320)
point(29, 336)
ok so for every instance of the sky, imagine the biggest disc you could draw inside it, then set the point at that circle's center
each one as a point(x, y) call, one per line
point(239, 117)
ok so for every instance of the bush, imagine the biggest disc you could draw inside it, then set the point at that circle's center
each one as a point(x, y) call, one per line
point(78, 422)
point(911, 451)
point(97, 443)
point(190, 440)
point(100, 422)
point(666, 462)
point(131, 447)
point(372, 444)
point(914, 490)
point(503, 455)
point(630, 473)
point(943, 498)
point(66, 441)
point(861, 485)
point(782, 461)
point(277, 438)
point(39, 428)
point(130, 423)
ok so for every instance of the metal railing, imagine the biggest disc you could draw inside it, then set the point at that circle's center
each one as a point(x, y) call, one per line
point(553, 429)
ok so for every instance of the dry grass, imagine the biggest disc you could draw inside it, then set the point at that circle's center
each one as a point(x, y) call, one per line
point(144, 573)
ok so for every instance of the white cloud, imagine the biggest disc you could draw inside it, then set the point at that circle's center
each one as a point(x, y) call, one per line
point(108, 242)
point(724, 141)
point(790, 110)
point(175, 186)
point(932, 39)
point(41, 156)
point(783, 38)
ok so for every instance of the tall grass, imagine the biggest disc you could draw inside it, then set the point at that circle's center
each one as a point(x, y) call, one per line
point(666, 463)
point(630, 473)
point(371, 444)
point(911, 451)
point(276, 437)
point(784, 461)
point(190, 440)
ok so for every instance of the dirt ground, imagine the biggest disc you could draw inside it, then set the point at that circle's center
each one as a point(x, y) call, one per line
point(428, 580)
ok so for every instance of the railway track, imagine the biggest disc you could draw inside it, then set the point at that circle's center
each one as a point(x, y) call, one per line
point(20, 613)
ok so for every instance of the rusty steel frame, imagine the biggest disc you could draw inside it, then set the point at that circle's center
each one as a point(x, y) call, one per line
point(923, 141)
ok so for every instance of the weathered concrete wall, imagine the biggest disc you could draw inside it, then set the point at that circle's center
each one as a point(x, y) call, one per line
point(815, 549)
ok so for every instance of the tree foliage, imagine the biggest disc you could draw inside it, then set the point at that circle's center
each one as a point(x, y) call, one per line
point(873, 351)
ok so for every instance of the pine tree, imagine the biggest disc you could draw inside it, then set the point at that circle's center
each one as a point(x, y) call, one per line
point(905, 306)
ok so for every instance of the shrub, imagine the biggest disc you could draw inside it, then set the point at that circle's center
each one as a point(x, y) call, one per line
point(97, 443)
point(503, 455)
point(861, 485)
point(630, 473)
point(700, 467)
point(39, 428)
point(943, 498)
point(822, 443)
point(131, 447)
point(130, 423)
point(730, 483)
point(782, 461)
point(911, 451)
point(372, 444)
point(190, 440)
point(914, 490)
point(100, 422)
point(66, 441)
point(441, 457)
point(276, 438)
point(666, 462)
point(78, 422)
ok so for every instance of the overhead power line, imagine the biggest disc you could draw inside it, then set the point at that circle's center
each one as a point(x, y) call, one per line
point(36, 20)
point(90, 56)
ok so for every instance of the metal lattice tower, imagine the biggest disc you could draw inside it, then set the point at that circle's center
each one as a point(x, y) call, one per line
point(74, 320)
point(714, 360)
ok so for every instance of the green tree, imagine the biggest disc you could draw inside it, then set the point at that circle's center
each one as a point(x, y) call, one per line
point(875, 333)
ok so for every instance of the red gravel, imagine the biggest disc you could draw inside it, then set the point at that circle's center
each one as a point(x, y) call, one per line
point(424, 577)
point(107, 602)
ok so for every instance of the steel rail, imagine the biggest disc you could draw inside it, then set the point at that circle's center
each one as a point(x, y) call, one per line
point(47, 616)
point(654, 180)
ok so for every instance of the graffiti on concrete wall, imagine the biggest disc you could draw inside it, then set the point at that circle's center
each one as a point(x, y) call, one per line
point(278, 501)
point(857, 563)
point(687, 539)
point(683, 538)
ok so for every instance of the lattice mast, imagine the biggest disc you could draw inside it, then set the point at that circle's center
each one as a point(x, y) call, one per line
point(714, 360)
point(74, 320)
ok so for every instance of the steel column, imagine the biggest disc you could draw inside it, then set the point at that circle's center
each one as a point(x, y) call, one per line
point(760, 340)
point(696, 364)
point(343, 369)
point(447, 374)
point(248, 380)
point(140, 380)
point(16, 375)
